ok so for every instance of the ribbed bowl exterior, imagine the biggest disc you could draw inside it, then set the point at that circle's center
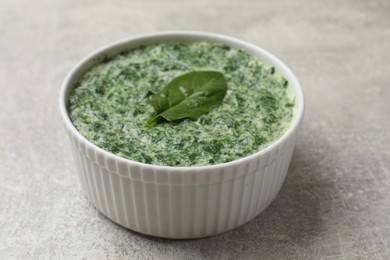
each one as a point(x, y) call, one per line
point(181, 202)
point(173, 203)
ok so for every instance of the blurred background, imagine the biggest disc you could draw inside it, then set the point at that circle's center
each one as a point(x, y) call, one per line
point(335, 203)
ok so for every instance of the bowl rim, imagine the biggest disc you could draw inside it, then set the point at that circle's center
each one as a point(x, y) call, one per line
point(213, 37)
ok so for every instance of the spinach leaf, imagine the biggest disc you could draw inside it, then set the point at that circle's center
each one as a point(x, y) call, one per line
point(189, 95)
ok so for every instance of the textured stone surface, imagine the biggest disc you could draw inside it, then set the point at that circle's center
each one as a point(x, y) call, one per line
point(335, 203)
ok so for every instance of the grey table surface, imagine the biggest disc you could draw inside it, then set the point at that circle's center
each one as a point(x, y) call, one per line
point(335, 202)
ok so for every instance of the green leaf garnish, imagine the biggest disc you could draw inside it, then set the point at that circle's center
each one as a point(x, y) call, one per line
point(189, 95)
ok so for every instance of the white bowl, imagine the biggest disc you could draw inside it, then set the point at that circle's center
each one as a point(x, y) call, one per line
point(181, 202)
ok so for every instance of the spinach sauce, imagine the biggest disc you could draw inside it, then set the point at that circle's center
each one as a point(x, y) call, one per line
point(108, 105)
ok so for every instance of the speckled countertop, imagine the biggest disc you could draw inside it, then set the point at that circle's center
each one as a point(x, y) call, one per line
point(335, 203)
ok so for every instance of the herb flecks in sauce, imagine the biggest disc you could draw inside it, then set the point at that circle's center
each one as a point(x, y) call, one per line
point(189, 96)
point(108, 105)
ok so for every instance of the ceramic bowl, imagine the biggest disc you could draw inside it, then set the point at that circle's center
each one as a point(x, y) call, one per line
point(181, 202)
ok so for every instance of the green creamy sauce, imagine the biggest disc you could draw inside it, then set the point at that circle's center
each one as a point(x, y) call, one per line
point(108, 105)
